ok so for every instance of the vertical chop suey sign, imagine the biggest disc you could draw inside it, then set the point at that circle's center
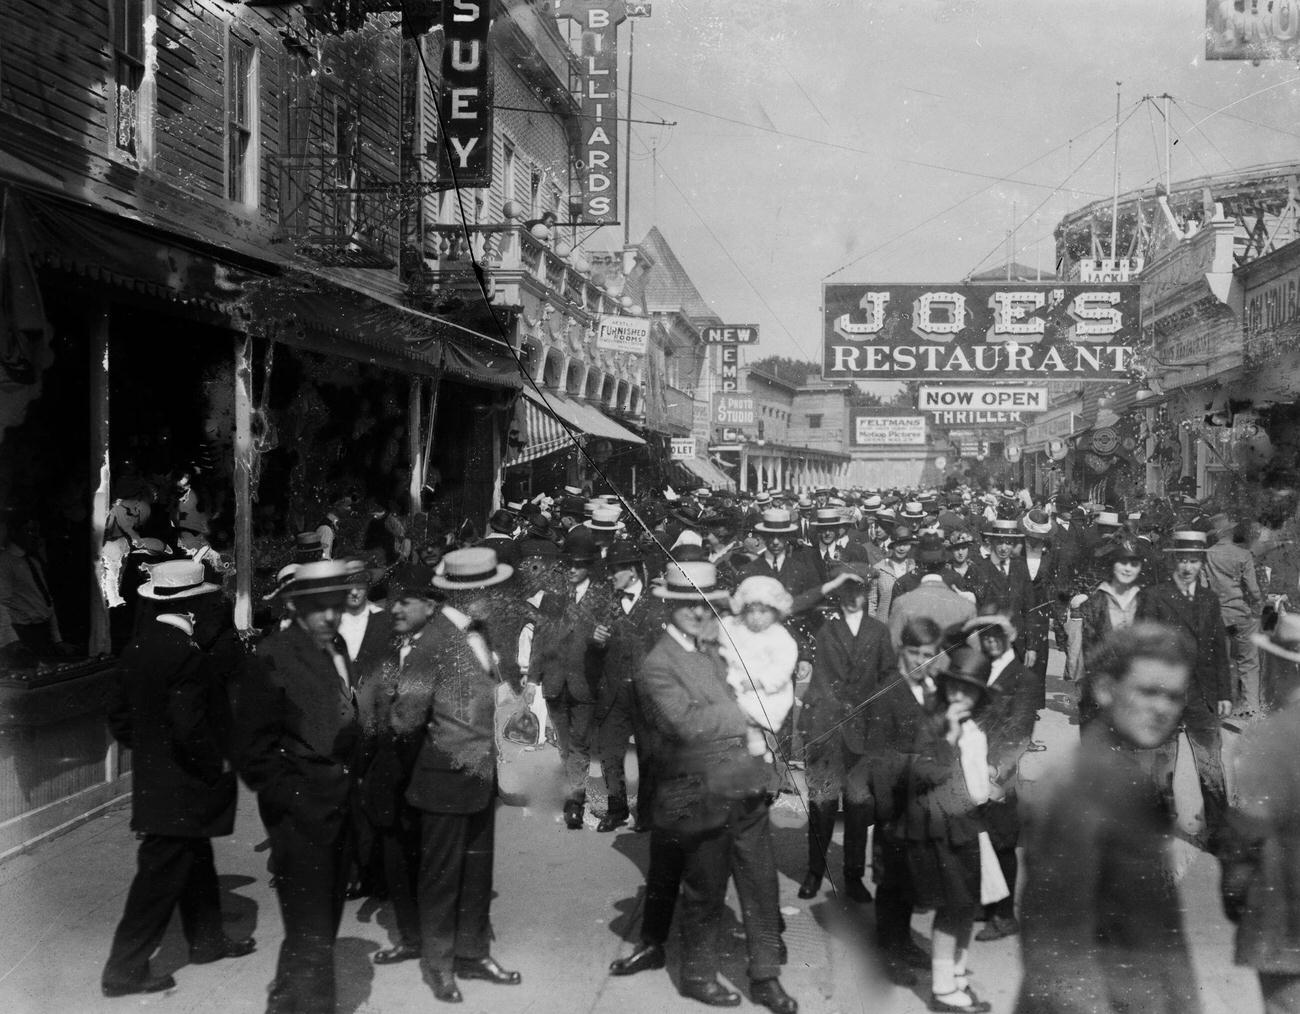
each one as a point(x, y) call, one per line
point(465, 157)
point(597, 159)
point(1049, 331)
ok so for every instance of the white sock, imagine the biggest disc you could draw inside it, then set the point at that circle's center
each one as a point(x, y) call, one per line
point(942, 976)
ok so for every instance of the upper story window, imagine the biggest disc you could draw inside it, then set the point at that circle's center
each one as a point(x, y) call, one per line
point(535, 192)
point(814, 422)
point(241, 121)
point(128, 73)
point(509, 169)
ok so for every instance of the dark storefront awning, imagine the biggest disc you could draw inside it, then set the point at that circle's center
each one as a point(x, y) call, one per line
point(707, 471)
point(546, 431)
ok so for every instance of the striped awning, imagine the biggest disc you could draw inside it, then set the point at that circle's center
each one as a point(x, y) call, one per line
point(546, 433)
point(706, 470)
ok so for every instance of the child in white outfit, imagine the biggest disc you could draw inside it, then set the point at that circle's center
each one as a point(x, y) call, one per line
point(761, 657)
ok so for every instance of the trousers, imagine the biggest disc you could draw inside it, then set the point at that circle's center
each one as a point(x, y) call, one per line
point(455, 892)
point(171, 873)
point(1244, 658)
point(895, 897)
point(573, 721)
point(619, 721)
point(1202, 728)
point(311, 870)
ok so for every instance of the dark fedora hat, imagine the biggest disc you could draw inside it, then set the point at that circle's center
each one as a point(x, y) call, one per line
point(969, 666)
point(580, 552)
point(623, 554)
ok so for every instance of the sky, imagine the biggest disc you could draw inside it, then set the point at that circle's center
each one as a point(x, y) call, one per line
point(815, 138)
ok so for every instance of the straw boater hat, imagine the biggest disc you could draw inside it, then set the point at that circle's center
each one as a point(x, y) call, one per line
point(763, 499)
point(176, 579)
point(1108, 519)
point(471, 568)
point(828, 517)
point(282, 578)
point(694, 581)
point(1037, 524)
point(1283, 641)
point(1188, 541)
point(912, 511)
point(871, 504)
point(321, 577)
point(1004, 528)
point(605, 518)
point(776, 522)
point(886, 516)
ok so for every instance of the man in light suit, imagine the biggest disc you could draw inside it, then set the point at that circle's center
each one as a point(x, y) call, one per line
point(931, 597)
point(445, 711)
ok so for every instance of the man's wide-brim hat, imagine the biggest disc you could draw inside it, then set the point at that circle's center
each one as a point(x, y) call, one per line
point(1037, 524)
point(776, 522)
point(176, 579)
point(476, 567)
point(828, 517)
point(1004, 528)
point(990, 621)
point(691, 581)
point(930, 548)
point(623, 554)
point(580, 552)
point(1188, 541)
point(323, 577)
point(1283, 641)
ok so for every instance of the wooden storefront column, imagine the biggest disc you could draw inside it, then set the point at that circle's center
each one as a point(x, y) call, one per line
point(100, 642)
point(243, 475)
point(414, 445)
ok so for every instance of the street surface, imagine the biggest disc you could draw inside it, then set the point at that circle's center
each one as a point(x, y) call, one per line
point(567, 904)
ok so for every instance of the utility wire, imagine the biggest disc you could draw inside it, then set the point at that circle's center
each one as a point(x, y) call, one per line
point(1243, 119)
point(957, 204)
point(850, 148)
point(1024, 221)
point(1210, 140)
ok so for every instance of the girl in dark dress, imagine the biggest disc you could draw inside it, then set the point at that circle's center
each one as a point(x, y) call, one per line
point(947, 786)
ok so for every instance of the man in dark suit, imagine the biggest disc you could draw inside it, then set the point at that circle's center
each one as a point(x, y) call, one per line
point(502, 528)
point(569, 662)
point(710, 810)
point(893, 720)
point(1187, 605)
point(853, 657)
point(1006, 579)
point(1048, 589)
point(299, 733)
point(170, 709)
point(626, 640)
point(445, 711)
point(834, 552)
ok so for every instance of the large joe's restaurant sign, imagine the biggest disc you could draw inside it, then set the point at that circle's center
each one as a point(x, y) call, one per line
point(1047, 331)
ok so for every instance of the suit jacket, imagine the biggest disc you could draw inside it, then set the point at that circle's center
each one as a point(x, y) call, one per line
point(566, 657)
point(1200, 619)
point(886, 576)
point(507, 548)
point(376, 645)
point(932, 599)
point(168, 706)
point(893, 721)
point(973, 580)
point(852, 556)
point(445, 709)
point(1008, 716)
point(299, 733)
point(698, 739)
point(799, 574)
point(1012, 590)
point(848, 670)
point(632, 635)
point(1043, 596)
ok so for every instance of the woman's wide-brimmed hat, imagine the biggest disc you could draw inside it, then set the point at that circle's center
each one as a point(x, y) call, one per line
point(176, 579)
point(775, 521)
point(1123, 547)
point(1188, 541)
point(828, 517)
point(761, 590)
point(321, 577)
point(1283, 641)
point(969, 666)
point(1004, 528)
point(691, 581)
point(961, 537)
point(476, 567)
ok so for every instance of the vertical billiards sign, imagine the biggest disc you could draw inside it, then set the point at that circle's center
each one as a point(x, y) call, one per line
point(596, 164)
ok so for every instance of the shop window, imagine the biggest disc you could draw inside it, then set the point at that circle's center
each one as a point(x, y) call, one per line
point(127, 19)
point(535, 192)
point(814, 422)
point(241, 121)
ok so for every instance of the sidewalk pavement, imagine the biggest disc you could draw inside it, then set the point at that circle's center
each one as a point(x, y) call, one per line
point(567, 904)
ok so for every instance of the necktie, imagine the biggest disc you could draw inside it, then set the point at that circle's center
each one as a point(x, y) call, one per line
point(1006, 568)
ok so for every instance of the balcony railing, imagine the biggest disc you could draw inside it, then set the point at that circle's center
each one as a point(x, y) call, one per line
point(336, 214)
point(509, 253)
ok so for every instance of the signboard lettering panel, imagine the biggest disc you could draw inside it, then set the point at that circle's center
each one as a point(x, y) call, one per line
point(887, 429)
point(989, 419)
point(682, 448)
point(624, 334)
point(465, 156)
point(735, 411)
point(1002, 399)
point(1256, 31)
point(1041, 331)
point(730, 334)
point(597, 163)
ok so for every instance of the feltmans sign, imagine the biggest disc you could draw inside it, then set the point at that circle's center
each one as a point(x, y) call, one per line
point(1038, 332)
point(888, 429)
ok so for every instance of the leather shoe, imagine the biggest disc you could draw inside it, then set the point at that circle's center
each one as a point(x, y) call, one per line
point(392, 955)
point(812, 883)
point(156, 984)
point(573, 816)
point(228, 949)
point(444, 987)
point(644, 958)
point(488, 970)
point(768, 993)
point(998, 927)
point(640, 827)
point(856, 890)
point(972, 1006)
point(612, 822)
point(710, 992)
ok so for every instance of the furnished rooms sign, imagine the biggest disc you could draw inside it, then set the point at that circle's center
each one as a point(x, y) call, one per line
point(624, 334)
point(979, 332)
point(887, 429)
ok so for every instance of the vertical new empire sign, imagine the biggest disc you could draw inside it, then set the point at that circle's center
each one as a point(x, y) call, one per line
point(597, 161)
point(465, 157)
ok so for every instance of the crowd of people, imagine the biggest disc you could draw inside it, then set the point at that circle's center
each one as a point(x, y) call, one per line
point(887, 649)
